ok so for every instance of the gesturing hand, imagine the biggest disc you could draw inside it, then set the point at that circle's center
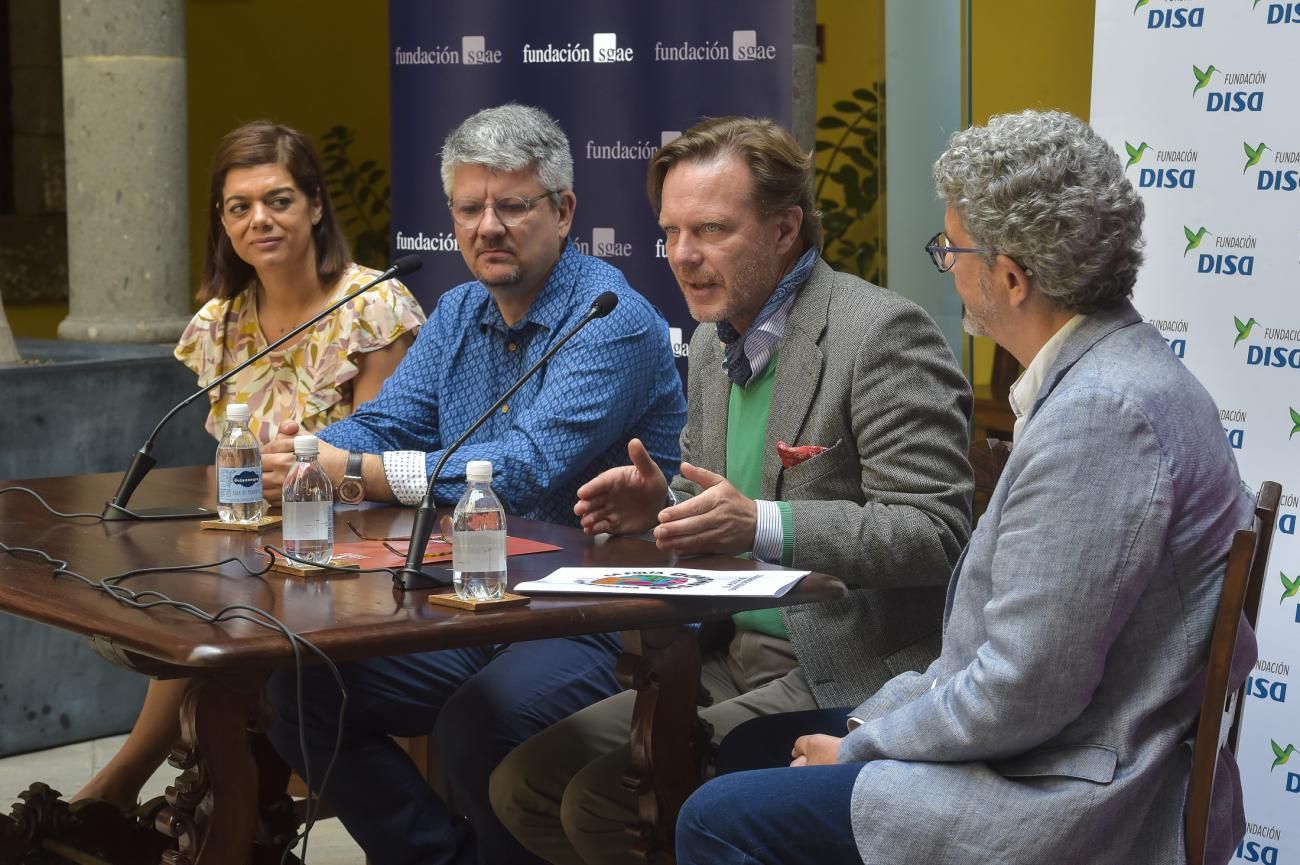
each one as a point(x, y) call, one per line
point(718, 520)
point(623, 500)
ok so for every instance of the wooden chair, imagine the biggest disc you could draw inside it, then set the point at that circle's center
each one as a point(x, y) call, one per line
point(992, 415)
point(1242, 584)
point(987, 459)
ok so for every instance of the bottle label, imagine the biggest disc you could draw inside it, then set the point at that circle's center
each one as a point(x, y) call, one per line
point(240, 485)
point(308, 521)
point(478, 551)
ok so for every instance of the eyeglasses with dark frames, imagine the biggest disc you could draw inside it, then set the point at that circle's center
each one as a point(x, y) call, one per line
point(945, 256)
point(510, 209)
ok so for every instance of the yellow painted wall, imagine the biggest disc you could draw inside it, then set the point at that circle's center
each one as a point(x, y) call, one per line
point(854, 34)
point(36, 320)
point(854, 57)
point(309, 65)
point(1028, 54)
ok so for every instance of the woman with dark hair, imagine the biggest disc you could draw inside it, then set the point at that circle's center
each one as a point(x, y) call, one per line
point(275, 257)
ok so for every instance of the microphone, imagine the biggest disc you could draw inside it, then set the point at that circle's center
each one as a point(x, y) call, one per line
point(142, 462)
point(412, 576)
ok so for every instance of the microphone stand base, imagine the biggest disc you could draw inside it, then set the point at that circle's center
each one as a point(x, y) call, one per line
point(177, 512)
point(408, 579)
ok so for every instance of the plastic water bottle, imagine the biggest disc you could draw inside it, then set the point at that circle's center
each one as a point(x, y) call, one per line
point(239, 470)
point(308, 506)
point(478, 547)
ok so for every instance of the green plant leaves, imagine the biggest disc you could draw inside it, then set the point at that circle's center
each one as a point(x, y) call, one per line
point(356, 193)
point(849, 158)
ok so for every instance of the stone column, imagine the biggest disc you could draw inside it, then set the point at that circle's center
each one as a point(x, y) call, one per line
point(8, 349)
point(124, 126)
point(804, 61)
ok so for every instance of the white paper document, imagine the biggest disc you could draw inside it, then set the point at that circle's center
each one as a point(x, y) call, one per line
point(665, 581)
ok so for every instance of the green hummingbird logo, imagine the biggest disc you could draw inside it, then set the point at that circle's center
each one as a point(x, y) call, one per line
point(1134, 154)
point(1243, 329)
point(1142, 3)
point(1253, 155)
point(1193, 238)
point(1289, 587)
point(1252, 6)
point(1202, 78)
point(1280, 755)
point(1295, 428)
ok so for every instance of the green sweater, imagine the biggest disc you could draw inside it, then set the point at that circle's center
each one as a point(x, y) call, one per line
point(747, 413)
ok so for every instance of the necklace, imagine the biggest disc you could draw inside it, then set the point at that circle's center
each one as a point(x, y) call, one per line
point(273, 327)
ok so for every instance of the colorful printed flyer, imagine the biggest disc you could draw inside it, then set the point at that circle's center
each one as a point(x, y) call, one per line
point(665, 581)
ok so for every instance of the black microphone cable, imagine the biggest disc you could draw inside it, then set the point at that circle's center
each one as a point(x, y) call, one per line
point(149, 599)
point(99, 518)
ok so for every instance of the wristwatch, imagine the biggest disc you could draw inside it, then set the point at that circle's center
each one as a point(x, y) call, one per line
point(351, 489)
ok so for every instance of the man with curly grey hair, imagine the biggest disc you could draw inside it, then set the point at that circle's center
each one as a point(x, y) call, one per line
point(1053, 727)
point(508, 176)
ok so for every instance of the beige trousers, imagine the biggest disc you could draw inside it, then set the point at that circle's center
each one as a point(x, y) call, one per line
point(561, 792)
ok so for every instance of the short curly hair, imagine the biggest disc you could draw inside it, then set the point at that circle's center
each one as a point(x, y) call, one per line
point(1043, 188)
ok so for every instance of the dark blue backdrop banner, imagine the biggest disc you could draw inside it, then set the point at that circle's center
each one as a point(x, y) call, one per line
point(620, 77)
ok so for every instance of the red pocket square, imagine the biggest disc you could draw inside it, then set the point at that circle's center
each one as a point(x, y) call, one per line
point(792, 456)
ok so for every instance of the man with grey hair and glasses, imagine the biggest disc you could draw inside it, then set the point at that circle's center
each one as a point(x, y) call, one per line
point(508, 175)
point(1055, 724)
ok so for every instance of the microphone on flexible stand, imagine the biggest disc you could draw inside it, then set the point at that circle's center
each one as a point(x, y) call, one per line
point(412, 576)
point(142, 462)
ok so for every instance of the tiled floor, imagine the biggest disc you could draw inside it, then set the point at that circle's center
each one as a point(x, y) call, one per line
point(67, 768)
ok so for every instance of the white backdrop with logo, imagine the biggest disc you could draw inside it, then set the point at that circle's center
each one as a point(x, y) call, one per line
point(1202, 102)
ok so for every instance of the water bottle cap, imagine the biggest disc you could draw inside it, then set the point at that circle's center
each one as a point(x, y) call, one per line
point(237, 412)
point(479, 470)
point(305, 445)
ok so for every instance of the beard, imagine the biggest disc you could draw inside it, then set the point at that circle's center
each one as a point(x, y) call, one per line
point(502, 280)
point(977, 320)
point(491, 276)
point(743, 295)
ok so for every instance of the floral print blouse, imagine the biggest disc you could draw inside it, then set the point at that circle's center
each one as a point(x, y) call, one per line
point(310, 379)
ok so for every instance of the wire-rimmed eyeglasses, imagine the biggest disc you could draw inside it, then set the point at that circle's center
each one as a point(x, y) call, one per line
point(945, 256)
point(510, 209)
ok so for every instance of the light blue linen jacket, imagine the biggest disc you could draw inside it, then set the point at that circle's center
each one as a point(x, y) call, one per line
point(1055, 725)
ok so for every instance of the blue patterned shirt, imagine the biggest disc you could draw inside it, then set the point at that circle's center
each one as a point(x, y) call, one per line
point(614, 381)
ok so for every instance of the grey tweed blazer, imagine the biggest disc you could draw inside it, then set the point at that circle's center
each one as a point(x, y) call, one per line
point(867, 374)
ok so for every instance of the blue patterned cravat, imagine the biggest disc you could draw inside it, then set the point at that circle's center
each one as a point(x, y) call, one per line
point(741, 364)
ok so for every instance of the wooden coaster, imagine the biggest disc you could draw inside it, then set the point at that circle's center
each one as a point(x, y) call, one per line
point(294, 569)
point(263, 523)
point(451, 600)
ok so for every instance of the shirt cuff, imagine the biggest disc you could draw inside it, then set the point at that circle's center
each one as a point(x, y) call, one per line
point(773, 532)
point(407, 475)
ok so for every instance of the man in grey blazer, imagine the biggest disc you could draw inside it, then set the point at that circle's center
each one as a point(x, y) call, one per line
point(826, 429)
point(1055, 724)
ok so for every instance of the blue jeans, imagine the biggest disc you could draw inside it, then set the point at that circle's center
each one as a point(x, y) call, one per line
point(478, 704)
point(772, 816)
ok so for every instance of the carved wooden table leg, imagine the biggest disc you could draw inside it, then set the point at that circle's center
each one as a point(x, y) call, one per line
point(211, 809)
point(44, 828)
point(669, 741)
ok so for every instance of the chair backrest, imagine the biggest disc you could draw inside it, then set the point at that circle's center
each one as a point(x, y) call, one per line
point(1270, 494)
point(987, 459)
point(1243, 580)
point(1003, 375)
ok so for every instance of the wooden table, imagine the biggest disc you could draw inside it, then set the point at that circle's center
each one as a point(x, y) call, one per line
point(348, 617)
